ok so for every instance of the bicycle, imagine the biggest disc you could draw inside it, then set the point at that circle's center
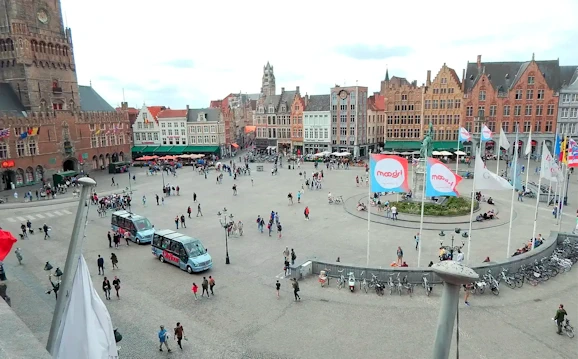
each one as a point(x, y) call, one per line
point(363, 283)
point(407, 286)
point(566, 328)
point(398, 285)
point(509, 280)
point(427, 285)
point(341, 279)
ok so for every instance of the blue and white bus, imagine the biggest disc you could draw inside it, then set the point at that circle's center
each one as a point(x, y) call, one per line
point(183, 251)
point(137, 228)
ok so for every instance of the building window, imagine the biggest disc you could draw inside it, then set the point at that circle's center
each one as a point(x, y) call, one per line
point(102, 141)
point(164, 132)
point(482, 96)
point(574, 113)
point(531, 80)
point(93, 141)
point(3, 150)
point(528, 111)
point(206, 139)
point(548, 126)
point(493, 110)
point(469, 111)
point(137, 136)
point(550, 111)
point(518, 94)
point(213, 129)
point(530, 95)
point(481, 111)
point(539, 110)
point(149, 136)
point(162, 125)
point(139, 125)
point(507, 110)
point(540, 94)
point(527, 126)
point(20, 149)
point(156, 136)
point(537, 126)
point(183, 132)
point(404, 97)
point(517, 110)
point(564, 113)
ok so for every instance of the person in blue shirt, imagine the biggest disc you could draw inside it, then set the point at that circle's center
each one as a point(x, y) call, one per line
point(163, 339)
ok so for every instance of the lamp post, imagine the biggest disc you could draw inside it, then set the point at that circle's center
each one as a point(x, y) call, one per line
point(55, 284)
point(451, 248)
point(226, 222)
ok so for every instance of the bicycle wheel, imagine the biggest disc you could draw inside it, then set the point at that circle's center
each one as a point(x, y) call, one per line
point(569, 331)
point(339, 283)
point(510, 283)
point(481, 290)
point(519, 282)
point(553, 272)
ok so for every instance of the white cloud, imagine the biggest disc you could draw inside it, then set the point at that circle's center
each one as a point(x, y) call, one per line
point(182, 52)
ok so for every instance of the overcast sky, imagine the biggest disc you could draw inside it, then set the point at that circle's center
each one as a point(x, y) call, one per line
point(179, 52)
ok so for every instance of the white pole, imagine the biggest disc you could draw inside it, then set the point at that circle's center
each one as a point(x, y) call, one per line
point(421, 217)
point(514, 173)
point(472, 204)
point(536, 214)
point(368, 216)
point(549, 190)
point(564, 194)
point(499, 153)
point(528, 173)
point(559, 191)
point(458, 156)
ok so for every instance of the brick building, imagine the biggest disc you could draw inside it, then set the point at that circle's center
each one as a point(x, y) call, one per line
point(51, 122)
point(507, 94)
point(376, 122)
point(349, 120)
point(297, 108)
point(237, 113)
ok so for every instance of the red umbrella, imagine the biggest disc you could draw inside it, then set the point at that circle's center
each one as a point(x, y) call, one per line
point(7, 240)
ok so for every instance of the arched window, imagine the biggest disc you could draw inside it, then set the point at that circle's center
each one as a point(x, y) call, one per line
point(58, 50)
point(9, 45)
point(34, 45)
point(42, 47)
point(50, 48)
point(65, 48)
point(2, 45)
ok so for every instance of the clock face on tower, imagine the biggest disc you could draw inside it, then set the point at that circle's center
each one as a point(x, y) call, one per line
point(42, 16)
point(343, 94)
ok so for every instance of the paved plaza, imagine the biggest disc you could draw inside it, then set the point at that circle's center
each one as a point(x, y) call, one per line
point(245, 319)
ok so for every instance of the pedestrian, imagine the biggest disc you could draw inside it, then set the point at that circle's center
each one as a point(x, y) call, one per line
point(252, 183)
point(114, 260)
point(258, 221)
point(235, 189)
point(394, 213)
point(183, 225)
point(164, 339)
point(277, 287)
point(559, 317)
point(45, 228)
point(211, 285)
point(2, 272)
point(144, 200)
point(279, 229)
point(109, 239)
point(116, 284)
point(416, 237)
point(205, 285)
point(189, 211)
point(100, 264)
point(106, 288)
point(157, 198)
point(126, 237)
point(299, 196)
point(199, 210)
point(467, 295)
point(270, 227)
point(399, 256)
point(194, 197)
point(179, 334)
point(293, 257)
point(195, 289)
point(112, 184)
point(286, 267)
point(306, 213)
point(296, 289)
point(163, 201)
point(18, 253)
point(116, 239)
point(286, 253)
point(290, 198)
point(23, 229)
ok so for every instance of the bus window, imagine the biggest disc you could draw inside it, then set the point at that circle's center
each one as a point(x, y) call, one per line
point(157, 240)
point(166, 243)
point(142, 224)
point(174, 247)
point(182, 253)
point(195, 248)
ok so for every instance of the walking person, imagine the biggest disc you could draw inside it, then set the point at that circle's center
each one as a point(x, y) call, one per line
point(467, 295)
point(277, 288)
point(179, 334)
point(416, 238)
point(293, 257)
point(163, 339)
point(399, 256)
point(279, 229)
point(189, 211)
point(126, 238)
point(157, 198)
point(183, 225)
point(112, 184)
point(106, 288)
point(199, 210)
point(286, 267)
point(177, 221)
point(295, 285)
point(45, 228)
point(116, 239)
point(116, 285)
point(144, 200)
point(18, 253)
point(205, 285)
point(100, 264)
point(306, 213)
point(195, 289)
point(109, 239)
point(559, 318)
point(211, 284)
point(114, 260)
point(286, 253)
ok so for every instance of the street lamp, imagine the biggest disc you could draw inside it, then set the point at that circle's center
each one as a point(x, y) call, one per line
point(226, 223)
point(451, 248)
point(55, 284)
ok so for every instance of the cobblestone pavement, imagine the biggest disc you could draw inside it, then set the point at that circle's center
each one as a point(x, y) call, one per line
point(245, 320)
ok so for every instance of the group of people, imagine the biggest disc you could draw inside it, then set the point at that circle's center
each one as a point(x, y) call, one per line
point(528, 245)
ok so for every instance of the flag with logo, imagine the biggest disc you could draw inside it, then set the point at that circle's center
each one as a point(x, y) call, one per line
point(486, 134)
point(504, 143)
point(528, 149)
point(546, 168)
point(440, 180)
point(5, 133)
point(572, 153)
point(388, 173)
point(464, 135)
point(484, 179)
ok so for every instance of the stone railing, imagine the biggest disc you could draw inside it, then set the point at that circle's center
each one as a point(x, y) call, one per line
point(17, 340)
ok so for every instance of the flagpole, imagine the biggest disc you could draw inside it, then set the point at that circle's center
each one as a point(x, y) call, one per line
point(514, 175)
point(549, 190)
point(560, 188)
point(564, 194)
point(368, 213)
point(499, 153)
point(458, 156)
point(472, 204)
point(529, 152)
point(420, 238)
point(537, 204)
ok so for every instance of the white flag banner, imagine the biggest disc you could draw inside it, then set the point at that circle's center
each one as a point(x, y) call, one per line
point(504, 143)
point(484, 179)
point(86, 329)
point(529, 144)
point(548, 166)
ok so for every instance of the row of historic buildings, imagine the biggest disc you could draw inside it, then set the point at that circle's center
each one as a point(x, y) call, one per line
point(533, 96)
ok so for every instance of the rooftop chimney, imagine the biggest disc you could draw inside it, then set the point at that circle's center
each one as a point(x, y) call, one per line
point(479, 62)
point(124, 105)
point(187, 107)
point(428, 81)
point(297, 89)
point(463, 80)
point(282, 89)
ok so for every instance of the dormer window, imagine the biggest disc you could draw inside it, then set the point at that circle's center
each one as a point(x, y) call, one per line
point(271, 109)
point(202, 116)
point(261, 109)
point(283, 108)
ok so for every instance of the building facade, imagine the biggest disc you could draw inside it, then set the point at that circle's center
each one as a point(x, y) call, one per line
point(404, 113)
point(568, 107)
point(317, 124)
point(349, 120)
point(206, 130)
point(297, 108)
point(146, 130)
point(510, 95)
point(173, 125)
point(376, 122)
point(443, 107)
point(47, 121)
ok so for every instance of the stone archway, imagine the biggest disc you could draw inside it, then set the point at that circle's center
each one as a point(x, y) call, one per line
point(114, 157)
point(121, 157)
point(94, 162)
point(70, 164)
point(107, 159)
point(101, 161)
point(29, 175)
point(8, 177)
point(39, 172)
point(19, 177)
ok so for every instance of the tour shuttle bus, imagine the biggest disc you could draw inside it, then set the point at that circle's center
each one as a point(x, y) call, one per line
point(183, 251)
point(139, 228)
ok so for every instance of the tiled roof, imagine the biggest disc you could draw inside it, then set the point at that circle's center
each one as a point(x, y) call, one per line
point(216, 103)
point(9, 102)
point(155, 110)
point(168, 113)
point(129, 110)
point(287, 99)
point(211, 114)
point(497, 72)
point(455, 75)
point(318, 103)
point(376, 102)
point(568, 75)
point(91, 101)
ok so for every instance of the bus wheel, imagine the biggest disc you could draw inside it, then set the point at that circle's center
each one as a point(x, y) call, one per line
point(189, 270)
point(137, 241)
point(162, 259)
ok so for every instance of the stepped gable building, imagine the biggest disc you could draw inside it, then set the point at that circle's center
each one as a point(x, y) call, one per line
point(522, 94)
point(568, 104)
point(47, 121)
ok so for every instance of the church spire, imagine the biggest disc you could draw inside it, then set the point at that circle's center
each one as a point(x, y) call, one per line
point(386, 74)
